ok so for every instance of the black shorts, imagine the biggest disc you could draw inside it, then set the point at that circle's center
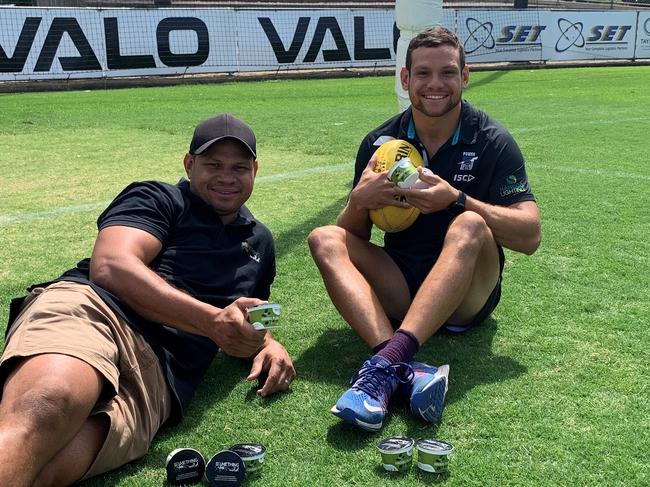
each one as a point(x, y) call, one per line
point(415, 269)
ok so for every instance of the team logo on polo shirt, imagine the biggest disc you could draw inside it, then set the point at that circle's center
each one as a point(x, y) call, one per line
point(246, 247)
point(467, 164)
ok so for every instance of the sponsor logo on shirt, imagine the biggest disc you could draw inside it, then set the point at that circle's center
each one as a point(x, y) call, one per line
point(246, 247)
point(512, 186)
point(466, 165)
point(464, 177)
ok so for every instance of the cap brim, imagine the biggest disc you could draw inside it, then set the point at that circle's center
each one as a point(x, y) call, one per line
point(201, 149)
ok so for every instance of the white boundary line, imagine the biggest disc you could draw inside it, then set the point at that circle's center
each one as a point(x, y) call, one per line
point(305, 172)
point(66, 210)
point(590, 172)
point(581, 123)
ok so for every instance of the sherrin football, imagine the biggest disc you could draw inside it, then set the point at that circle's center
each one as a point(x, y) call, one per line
point(391, 218)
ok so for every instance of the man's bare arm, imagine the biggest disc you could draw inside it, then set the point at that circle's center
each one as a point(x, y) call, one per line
point(119, 264)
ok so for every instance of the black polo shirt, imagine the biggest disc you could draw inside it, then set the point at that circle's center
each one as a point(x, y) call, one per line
point(213, 262)
point(481, 158)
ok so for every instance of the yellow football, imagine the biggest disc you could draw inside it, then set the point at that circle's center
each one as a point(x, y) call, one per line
point(391, 218)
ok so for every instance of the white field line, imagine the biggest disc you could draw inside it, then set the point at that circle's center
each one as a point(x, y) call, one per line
point(305, 172)
point(581, 123)
point(66, 210)
point(591, 172)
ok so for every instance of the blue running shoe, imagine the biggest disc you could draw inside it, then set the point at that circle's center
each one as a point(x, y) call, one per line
point(427, 391)
point(365, 404)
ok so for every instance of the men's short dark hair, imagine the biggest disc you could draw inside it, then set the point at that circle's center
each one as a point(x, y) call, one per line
point(434, 37)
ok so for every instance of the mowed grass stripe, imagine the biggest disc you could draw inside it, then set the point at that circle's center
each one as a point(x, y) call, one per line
point(67, 210)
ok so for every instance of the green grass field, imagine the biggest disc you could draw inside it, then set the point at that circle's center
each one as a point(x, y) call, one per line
point(552, 390)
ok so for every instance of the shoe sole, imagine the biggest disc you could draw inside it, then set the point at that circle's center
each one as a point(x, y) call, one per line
point(433, 395)
point(349, 416)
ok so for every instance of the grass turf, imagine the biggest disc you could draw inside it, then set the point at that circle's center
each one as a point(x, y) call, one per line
point(552, 390)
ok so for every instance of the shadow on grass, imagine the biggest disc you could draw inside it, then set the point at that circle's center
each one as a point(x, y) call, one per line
point(220, 380)
point(297, 235)
point(485, 80)
point(423, 478)
point(339, 353)
point(470, 358)
point(427, 478)
point(346, 437)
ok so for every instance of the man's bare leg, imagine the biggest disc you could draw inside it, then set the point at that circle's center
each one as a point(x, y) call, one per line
point(460, 282)
point(360, 277)
point(366, 287)
point(46, 402)
point(74, 460)
point(363, 282)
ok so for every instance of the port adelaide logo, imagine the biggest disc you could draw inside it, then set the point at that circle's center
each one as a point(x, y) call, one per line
point(465, 166)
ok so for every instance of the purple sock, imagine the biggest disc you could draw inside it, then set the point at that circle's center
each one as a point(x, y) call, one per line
point(401, 348)
point(380, 347)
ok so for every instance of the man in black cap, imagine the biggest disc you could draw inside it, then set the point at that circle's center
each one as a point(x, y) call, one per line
point(99, 359)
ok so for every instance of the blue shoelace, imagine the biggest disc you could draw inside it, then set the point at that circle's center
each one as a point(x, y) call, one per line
point(373, 379)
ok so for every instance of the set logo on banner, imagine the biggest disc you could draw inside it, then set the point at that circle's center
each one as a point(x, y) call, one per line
point(591, 35)
point(489, 36)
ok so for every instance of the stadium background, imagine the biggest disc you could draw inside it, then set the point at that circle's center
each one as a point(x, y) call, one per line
point(54, 44)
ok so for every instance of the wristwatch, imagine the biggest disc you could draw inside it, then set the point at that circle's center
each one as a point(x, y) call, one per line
point(458, 206)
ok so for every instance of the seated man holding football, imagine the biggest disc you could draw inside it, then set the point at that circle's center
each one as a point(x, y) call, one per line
point(97, 361)
point(443, 270)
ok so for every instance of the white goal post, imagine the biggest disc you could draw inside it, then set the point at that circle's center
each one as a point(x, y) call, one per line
point(412, 17)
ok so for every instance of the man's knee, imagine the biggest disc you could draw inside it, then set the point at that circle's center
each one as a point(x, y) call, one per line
point(44, 407)
point(324, 242)
point(470, 232)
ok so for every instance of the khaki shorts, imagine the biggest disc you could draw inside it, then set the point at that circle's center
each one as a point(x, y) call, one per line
point(71, 319)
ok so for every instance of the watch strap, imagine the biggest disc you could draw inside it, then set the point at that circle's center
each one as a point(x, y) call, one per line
point(458, 206)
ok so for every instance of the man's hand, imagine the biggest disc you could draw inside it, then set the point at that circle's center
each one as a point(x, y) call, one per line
point(274, 362)
point(374, 190)
point(438, 196)
point(232, 331)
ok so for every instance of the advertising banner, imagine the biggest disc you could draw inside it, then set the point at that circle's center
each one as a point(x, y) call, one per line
point(496, 36)
point(643, 36)
point(574, 35)
point(83, 43)
point(62, 43)
point(315, 39)
point(54, 43)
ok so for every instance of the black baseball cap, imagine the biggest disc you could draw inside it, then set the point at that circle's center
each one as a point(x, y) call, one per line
point(224, 126)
